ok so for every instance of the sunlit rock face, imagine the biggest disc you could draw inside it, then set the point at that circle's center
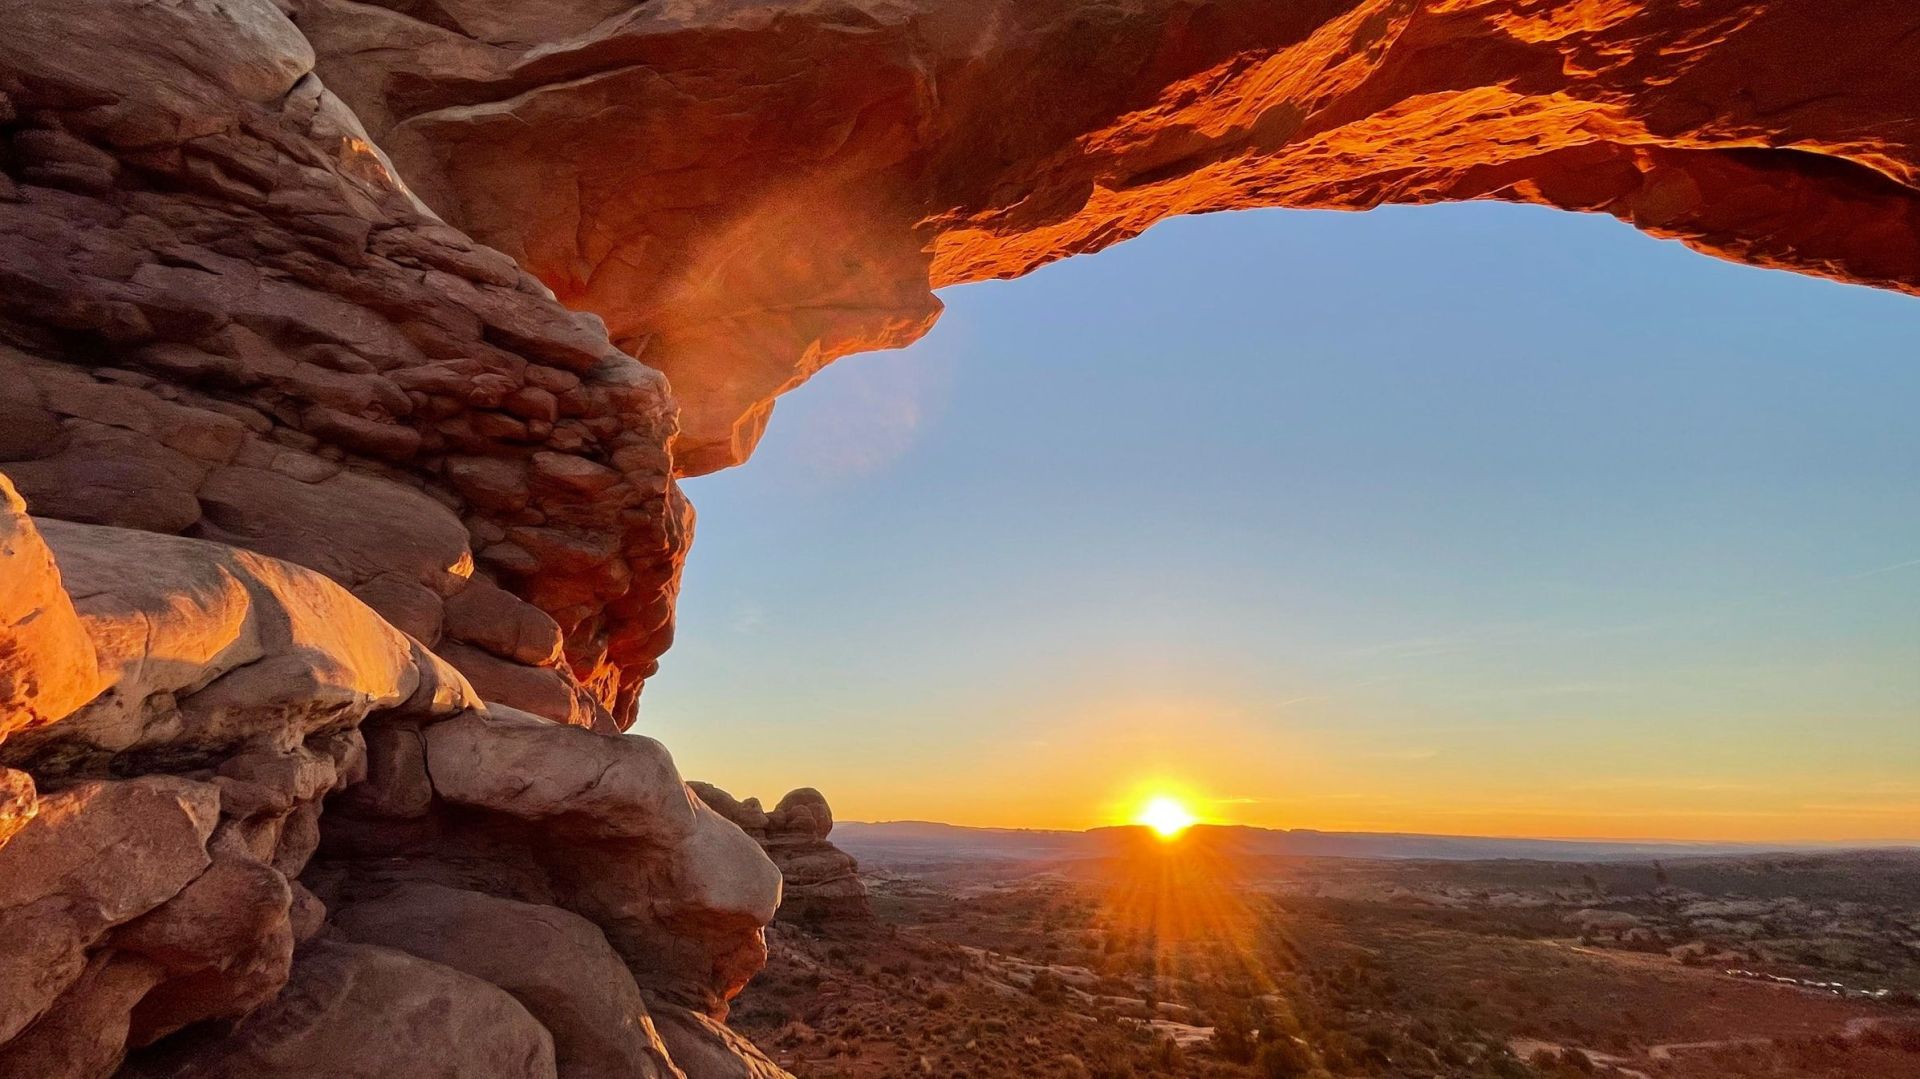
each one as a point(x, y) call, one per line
point(821, 882)
point(745, 191)
point(285, 838)
point(350, 549)
point(352, 545)
point(223, 316)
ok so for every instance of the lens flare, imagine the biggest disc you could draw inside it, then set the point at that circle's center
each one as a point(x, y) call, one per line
point(1166, 816)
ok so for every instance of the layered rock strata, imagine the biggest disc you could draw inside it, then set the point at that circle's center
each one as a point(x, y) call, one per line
point(355, 546)
point(278, 827)
point(222, 315)
point(822, 882)
point(352, 551)
point(746, 191)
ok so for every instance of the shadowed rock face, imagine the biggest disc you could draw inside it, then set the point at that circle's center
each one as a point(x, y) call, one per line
point(353, 546)
point(747, 190)
point(283, 815)
point(223, 316)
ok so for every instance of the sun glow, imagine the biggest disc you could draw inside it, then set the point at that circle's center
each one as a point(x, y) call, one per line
point(1166, 816)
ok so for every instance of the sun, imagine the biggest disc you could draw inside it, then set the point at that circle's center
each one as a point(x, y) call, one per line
point(1166, 816)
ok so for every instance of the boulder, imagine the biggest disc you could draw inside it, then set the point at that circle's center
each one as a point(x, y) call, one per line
point(223, 945)
point(97, 855)
point(548, 692)
point(84, 1033)
point(392, 532)
point(680, 892)
point(583, 784)
point(706, 1049)
point(396, 783)
point(47, 665)
point(489, 617)
point(688, 919)
point(820, 882)
point(203, 645)
point(556, 964)
point(354, 1011)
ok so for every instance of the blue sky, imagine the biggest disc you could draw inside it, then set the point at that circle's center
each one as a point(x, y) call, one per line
point(1474, 518)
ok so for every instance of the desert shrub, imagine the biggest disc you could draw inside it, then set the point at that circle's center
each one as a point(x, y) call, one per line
point(1233, 1038)
point(1283, 1059)
point(1072, 1067)
point(1046, 988)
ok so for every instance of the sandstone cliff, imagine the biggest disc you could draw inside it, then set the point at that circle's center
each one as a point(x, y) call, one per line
point(335, 348)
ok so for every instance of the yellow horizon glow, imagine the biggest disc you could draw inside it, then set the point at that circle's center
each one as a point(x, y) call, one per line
point(1093, 757)
point(1166, 816)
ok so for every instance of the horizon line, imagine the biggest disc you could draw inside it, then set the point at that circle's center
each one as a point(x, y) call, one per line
point(1763, 844)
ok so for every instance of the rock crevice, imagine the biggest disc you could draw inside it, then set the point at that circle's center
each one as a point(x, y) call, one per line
point(335, 347)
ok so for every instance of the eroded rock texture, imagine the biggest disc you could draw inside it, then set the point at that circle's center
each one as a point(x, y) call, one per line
point(353, 545)
point(822, 882)
point(352, 549)
point(285, 838)
point(223, 316)
point(747, 190)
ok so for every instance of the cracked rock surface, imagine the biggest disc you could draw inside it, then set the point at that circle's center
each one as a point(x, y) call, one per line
point(349, 352)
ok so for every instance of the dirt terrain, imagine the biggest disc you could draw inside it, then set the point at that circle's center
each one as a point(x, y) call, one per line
point(1180, 963)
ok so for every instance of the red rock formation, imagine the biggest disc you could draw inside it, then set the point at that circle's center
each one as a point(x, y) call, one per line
point(283, 813)
point(353, 546)
point(820, 882)
point(222, 316)
point(747, 191)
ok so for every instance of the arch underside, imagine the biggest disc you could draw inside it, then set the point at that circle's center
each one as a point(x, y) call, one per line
point(339, 519)
point(747, 191)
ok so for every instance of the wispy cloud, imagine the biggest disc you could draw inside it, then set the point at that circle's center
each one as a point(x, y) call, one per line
point(1910, 563)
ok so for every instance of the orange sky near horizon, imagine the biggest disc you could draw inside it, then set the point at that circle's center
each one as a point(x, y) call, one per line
point(1467, 520)
point(1311, 774)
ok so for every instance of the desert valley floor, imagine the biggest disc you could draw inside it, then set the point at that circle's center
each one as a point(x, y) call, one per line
point(1783, 966)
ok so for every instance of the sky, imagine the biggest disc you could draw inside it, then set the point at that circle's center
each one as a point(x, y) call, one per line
point(1474, 519)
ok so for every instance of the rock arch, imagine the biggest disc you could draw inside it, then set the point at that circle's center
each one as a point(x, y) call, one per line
point(746, 191)
point(344, 527)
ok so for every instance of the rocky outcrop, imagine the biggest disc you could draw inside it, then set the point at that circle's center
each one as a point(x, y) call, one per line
point(822, 882)
point(746, 191)
point(351, 1010)
point(316, 476)
point(283, 815)
point(558, 966)
point(226, 315)
point(223, 316)
point(357, 527)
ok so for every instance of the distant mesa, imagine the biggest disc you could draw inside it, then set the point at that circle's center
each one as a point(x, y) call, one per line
point(822, 881)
